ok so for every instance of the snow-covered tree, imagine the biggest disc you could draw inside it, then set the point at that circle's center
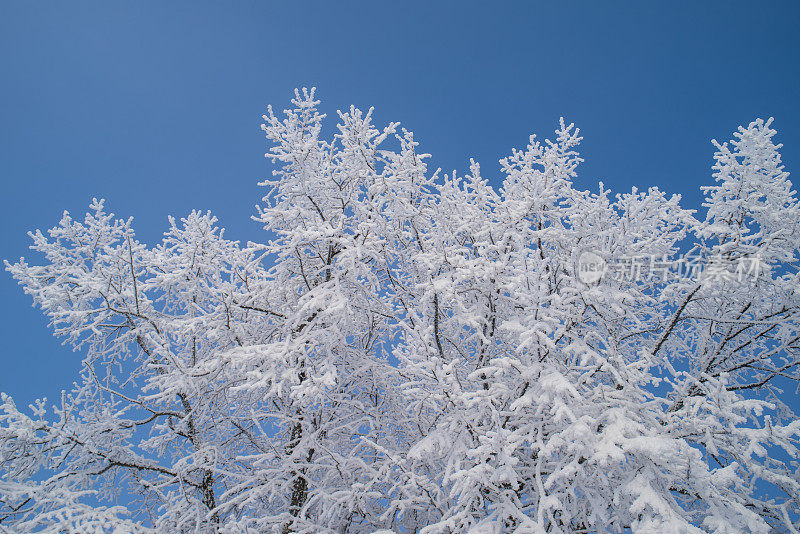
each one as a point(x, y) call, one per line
point(414, 352)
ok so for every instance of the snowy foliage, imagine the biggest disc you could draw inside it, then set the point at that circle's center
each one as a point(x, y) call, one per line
point(415, 352)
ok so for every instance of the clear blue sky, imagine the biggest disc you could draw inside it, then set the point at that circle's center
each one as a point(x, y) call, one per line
point(156, 106)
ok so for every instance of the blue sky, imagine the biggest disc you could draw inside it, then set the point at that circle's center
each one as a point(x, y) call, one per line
point(156, 106)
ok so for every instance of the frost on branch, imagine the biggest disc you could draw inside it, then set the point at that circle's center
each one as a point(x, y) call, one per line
point(415, 352)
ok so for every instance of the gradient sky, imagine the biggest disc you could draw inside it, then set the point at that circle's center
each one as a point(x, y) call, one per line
point(156, 106)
